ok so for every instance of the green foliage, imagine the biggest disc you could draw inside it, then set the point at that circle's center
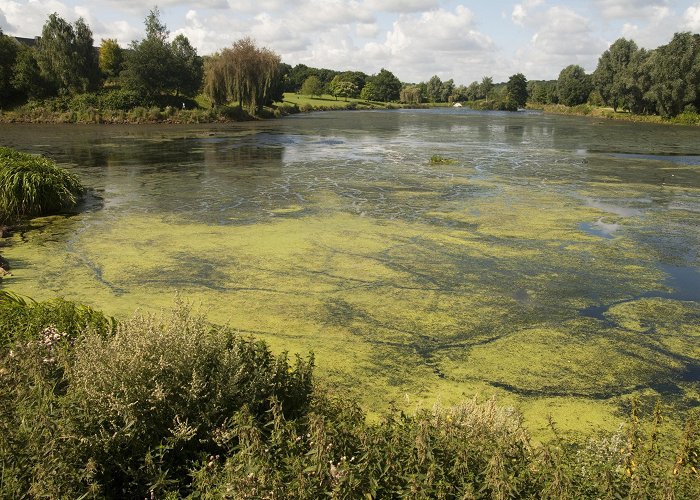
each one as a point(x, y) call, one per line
point(516, 89)
point(573, 85)
point(33, 185)
point(66, 57)
point(485, 87)
point(136, 409)
point(386, 87)
point(675, 75)
point(243, 73)
point(154, 67)
point(312, 86)
point(22, 319)
point(26, 76)
point(411, 94)
point(8, 58)
point(370, 92)
point(342, 86)
point(189, 67)
point(438, 160)
point(111, 57)
point(612, 78)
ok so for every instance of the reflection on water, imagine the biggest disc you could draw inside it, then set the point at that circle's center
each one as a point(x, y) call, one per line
point(553, 258)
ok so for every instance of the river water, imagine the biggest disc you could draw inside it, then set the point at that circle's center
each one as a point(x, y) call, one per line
point(550, 261)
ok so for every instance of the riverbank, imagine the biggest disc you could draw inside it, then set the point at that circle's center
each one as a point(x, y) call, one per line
point(108, 109)
point(686, 118)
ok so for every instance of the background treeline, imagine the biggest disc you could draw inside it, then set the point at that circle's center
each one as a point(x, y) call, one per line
point(171, 406)
point(158, 77)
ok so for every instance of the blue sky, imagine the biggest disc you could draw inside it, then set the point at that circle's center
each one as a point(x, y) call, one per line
point(415, 39)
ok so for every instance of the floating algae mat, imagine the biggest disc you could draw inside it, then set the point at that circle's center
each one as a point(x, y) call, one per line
point(552, 262)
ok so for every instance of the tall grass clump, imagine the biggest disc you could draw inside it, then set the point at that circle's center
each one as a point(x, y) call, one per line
point(33, 185)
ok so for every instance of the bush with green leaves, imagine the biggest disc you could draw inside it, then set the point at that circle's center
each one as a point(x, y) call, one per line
point(33, 185)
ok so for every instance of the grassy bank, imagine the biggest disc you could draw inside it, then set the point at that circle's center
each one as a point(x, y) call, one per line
point(123, 107)
point(686, 118)
point(171, 406)
point(305, 103)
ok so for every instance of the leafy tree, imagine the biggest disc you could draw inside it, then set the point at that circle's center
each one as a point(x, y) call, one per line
point(243, 73)
point(8, 57)
point(473, 91)
point(340, 87)
point(434, 89)
point(279, 81)
point(111, 57)
point(459, 94)
point(370, 92)
point(675, 75)
point(357, 77)
point(86, 58)
point(312, 86)
point(411, 94)
point(639, 86)
point(387, 86)
point(189, 67)
point(611, 78)
point(155, 67)
point(26, 76)
point(66, 57)
point(446, 90)
point(516, 89)
point(150, 64)
point(573, 85)
point(485, 87)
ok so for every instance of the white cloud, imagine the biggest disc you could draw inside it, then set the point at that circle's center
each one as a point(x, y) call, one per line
point(439, 42)
point(521, 11)
point(401, 6)
point(562, 37)
point(657, 29)
point(625, 9)
point(691, 18)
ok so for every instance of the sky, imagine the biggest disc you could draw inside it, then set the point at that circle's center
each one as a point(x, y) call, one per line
point(415, 39)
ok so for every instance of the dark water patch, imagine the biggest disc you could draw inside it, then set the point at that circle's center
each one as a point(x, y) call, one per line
point(680, 158)
point(683, 281)
point(599, 229)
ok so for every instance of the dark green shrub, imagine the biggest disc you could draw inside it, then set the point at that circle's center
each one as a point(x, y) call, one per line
point(33, 185)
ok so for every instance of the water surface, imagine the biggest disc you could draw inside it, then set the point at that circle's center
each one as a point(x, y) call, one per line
point(554, 263)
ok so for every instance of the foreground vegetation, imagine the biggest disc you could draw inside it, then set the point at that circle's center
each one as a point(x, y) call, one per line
point(173, 406)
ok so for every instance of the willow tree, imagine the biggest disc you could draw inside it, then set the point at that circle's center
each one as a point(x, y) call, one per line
point(243, 73)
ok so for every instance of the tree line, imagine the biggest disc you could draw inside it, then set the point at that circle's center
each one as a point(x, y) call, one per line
point(663, 81)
